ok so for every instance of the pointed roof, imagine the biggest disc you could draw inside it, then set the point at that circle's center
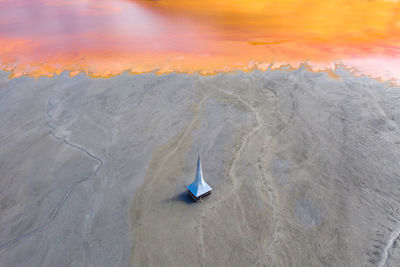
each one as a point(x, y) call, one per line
point(199, 186)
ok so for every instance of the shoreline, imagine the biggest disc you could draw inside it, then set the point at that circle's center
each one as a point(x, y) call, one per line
point(263, 67)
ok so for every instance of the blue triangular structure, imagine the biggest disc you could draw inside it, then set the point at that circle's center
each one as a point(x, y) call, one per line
point(199, 188)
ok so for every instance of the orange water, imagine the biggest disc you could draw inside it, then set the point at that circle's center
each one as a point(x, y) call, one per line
point(107, 37)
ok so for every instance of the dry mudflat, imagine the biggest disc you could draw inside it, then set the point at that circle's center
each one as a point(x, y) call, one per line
point(305, 170)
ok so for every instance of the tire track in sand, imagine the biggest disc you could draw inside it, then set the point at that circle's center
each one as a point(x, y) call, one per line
point(232, 167)
point(157, 166)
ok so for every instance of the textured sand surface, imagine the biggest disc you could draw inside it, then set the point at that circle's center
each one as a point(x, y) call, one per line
point(305, 170)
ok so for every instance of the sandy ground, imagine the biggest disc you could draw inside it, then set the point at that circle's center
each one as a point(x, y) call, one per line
point(305, 170)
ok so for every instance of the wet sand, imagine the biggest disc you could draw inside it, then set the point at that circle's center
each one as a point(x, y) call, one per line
point(305, 170)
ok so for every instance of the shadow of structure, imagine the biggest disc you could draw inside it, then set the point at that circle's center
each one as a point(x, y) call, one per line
point(182, 197)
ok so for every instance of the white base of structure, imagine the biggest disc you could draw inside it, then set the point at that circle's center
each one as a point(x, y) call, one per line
point(199, 197)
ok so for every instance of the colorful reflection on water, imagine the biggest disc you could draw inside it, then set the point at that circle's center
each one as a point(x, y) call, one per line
point(107, 37)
